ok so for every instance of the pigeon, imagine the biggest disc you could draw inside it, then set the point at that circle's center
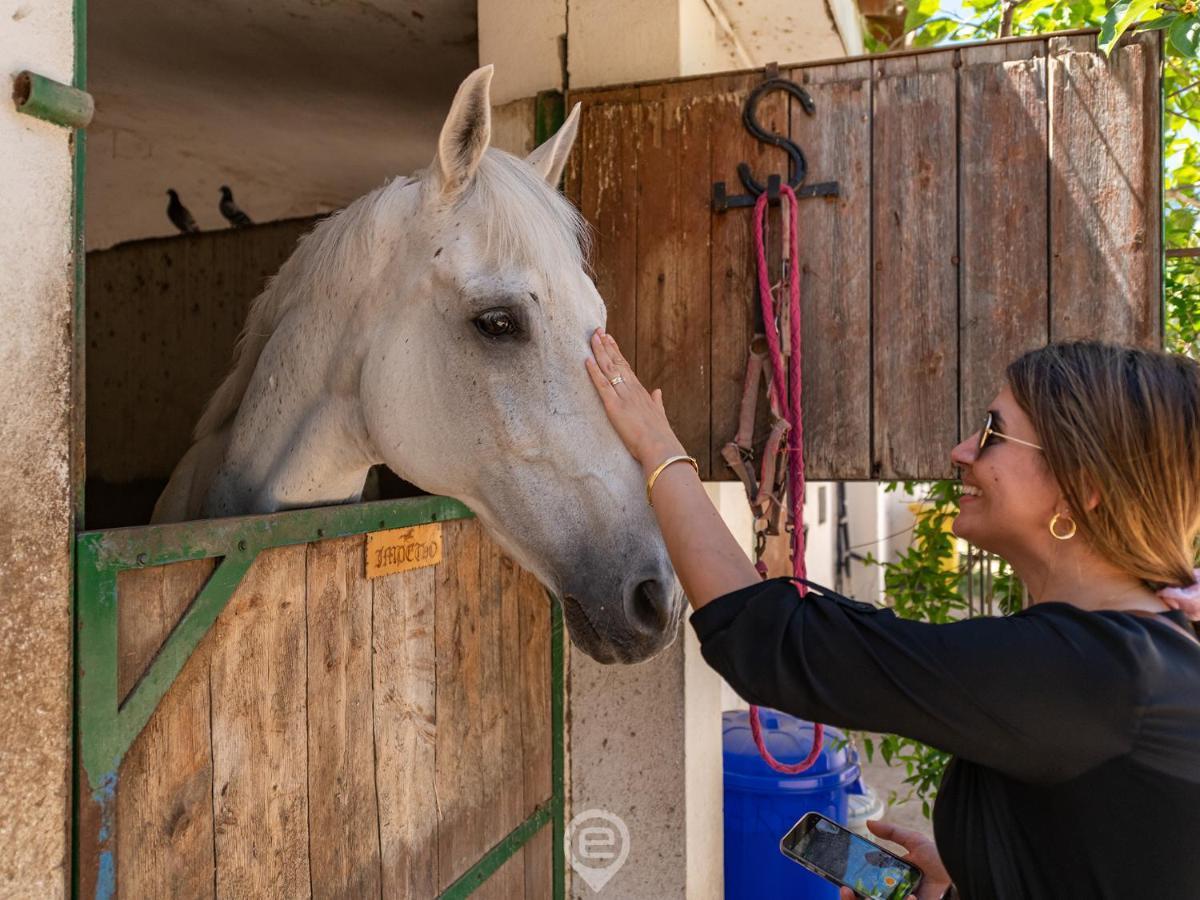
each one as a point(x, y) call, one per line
point(179, 215)
point(231, 211)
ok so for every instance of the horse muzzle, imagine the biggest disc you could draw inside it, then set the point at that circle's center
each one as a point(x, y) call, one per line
point(640, 619)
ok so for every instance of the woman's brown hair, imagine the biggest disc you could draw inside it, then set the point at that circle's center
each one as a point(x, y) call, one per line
point(1125, 423)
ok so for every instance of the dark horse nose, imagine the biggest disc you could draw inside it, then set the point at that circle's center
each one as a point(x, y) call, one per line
point(649, 605)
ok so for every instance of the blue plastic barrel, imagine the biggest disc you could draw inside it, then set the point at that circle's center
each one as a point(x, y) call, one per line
point(762, 804)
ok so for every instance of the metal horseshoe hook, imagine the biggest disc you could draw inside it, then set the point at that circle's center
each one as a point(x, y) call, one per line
point(797, 165)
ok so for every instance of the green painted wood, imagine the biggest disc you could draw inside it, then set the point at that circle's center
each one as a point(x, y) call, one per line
point(549, 112)
point(157, 545)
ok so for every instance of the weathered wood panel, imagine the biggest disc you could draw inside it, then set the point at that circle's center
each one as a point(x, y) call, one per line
point(259, 739)
point(607, 167)
point(1003, 116)
point(673, 323)
point(1105, 185)
point(459, 787)
point(339, 737)
point(164, 804)
point(536, 737)
point(835, 287)
point(342, 807)
point(915, 251)
point(953, 235)
point(405, 729)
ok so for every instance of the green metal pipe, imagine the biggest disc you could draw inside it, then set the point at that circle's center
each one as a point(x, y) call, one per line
point(52, 101)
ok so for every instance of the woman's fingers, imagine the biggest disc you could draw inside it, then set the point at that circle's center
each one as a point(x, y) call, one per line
point(845, 894)
point(603, 385)
point(600, 351)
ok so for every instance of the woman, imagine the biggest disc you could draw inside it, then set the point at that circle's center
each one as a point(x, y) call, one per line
point(1075, 724)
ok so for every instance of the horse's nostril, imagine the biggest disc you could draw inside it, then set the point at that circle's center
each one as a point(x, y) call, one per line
point(649, 606)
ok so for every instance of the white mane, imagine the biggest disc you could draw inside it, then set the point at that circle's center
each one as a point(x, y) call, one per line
point(527, 222)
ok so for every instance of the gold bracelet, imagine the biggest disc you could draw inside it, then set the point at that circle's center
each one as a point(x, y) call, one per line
point(682, 457)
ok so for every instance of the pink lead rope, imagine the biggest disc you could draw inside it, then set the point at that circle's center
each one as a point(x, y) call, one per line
point(788, 400)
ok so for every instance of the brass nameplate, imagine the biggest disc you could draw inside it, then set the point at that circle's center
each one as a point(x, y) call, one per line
point(402, 549)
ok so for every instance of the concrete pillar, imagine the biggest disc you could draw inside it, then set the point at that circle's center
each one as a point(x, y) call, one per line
point(36, 350)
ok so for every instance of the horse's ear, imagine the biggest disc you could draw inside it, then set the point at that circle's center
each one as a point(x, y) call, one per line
point(466, 132)
point(551, 157)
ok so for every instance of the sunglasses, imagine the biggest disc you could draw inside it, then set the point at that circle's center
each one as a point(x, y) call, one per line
point(990, 431)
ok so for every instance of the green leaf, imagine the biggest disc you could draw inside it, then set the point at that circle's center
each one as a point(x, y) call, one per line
point(1120, 17)
point(1157, 24)
point(1185, 35)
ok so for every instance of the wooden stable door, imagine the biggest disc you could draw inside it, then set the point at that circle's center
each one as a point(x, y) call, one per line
point(990, 198)
point(330, 735)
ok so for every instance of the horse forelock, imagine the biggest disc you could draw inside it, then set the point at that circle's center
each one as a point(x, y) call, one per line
point(527, 222)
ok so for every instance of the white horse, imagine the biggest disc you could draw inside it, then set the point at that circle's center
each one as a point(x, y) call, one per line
point(439, 325)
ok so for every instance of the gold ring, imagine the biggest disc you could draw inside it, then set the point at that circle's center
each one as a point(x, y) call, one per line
point(615, 381)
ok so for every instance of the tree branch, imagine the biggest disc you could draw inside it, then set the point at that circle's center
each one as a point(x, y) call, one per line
point(1006, 20)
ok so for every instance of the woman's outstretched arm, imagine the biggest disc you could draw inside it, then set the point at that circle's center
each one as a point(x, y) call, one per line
point(706, 556)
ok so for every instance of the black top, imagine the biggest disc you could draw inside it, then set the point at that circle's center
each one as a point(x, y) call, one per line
point(1076, 734)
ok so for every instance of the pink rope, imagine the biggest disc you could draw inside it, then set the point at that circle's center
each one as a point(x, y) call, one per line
point(787, 398)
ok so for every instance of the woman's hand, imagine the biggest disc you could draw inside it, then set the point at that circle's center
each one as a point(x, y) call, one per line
point(922, 852)
point(707, 558)
point(636, 414)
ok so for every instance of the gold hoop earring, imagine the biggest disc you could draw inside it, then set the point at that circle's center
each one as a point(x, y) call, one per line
point(1063, 537)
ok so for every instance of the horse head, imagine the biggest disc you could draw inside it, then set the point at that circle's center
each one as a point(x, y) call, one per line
point(473, 383)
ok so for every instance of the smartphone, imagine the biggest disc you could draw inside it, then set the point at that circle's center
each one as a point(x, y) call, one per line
point(839, 855)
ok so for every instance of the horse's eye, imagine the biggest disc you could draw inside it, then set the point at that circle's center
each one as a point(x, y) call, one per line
point(497, 323)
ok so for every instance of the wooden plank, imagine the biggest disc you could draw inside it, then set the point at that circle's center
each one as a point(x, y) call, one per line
point(673, 315)
point(610, 133)
point(343, 816)
point(915, 277)
point(459, 787)
point(260, 778)
point(835, 284)
point(539, 865)
point(1003, 124)
point(536, 730)
point(733, 283)
point(405, 746)
point(164, 797)
point(150, 603)
point(140, 629)
point(501, 767)
point(1105, 191)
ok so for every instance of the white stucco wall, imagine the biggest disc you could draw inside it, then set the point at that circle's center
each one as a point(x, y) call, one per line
point(35, 517)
